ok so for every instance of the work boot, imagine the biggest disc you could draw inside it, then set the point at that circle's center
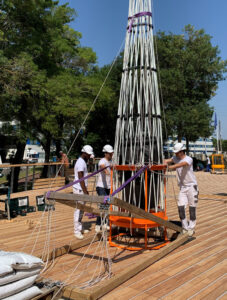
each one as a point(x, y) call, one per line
point(106, 226)
point(79, 236)
point(191, 232)
point(97, 228)
point(86, 231)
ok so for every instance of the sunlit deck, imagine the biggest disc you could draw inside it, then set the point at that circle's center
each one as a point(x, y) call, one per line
point(195, 270)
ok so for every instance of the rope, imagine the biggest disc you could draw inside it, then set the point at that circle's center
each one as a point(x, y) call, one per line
point(91, 282)
point(91, 108)
point(138, 130)
point(76, 181)
point(83, 123)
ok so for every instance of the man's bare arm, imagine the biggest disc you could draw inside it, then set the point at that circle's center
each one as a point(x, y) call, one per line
point(106, 171)
point(82, 184)
point(179, 165)
point(168, 161)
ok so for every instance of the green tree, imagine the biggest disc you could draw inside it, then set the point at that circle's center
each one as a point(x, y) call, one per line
point(39, 51)
point(190, 69)
point(101, 125)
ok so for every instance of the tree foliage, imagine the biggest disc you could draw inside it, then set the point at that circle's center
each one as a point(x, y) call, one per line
point(190, 69)
point(48, 81)
point(42, 76)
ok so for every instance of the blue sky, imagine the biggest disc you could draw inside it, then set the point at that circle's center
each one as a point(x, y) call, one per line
point(103, 26)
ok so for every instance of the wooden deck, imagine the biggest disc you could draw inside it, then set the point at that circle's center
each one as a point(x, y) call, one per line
point(195, 270)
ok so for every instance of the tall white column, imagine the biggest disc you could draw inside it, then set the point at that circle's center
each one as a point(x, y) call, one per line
point(138, 137)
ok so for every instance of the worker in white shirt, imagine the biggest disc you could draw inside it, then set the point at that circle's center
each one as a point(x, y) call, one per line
point(103, 183)
point(208, 164)
point(187, 182)
point(80, 171)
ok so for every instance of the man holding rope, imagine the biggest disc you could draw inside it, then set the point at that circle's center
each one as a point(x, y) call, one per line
point(187, 182)
point(80, 171)
point(103, 184)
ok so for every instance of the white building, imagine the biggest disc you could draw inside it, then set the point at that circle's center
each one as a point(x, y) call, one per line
point(33, 152)
point(201, 146)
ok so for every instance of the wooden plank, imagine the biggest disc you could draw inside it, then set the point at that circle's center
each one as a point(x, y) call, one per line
point(29, 165)
point(75, 197)
point(138, 212)
point(71, 292)
point(95, 211)
point(69, 248)
point(49, 185)
point(112, 283)
point(142, 213)
point(49, 179)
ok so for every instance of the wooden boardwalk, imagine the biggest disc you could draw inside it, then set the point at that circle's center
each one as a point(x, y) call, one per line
point(195, 270)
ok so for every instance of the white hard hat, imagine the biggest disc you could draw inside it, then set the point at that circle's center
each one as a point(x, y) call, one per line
point(87, 149)
point(178, 147)
point(108, 149)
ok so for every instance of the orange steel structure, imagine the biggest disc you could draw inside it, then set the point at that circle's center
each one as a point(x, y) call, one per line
point(218, 163)
point(133, 223)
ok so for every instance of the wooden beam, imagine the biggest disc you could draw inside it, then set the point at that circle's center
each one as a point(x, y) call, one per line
point(115, 281)
point(69, 248)
point(71, 292)
point(135, 211)
point(146, 215)
point(75, 197)
point(95, 211)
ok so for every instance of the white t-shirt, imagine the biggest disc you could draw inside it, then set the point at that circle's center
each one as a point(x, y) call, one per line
point(80, 166)
point(208, 160)
point(103, 178)
point(185, 175)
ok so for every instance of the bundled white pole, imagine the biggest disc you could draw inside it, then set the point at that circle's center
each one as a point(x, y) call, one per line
point(138, 137)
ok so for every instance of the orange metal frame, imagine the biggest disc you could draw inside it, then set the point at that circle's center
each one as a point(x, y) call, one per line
point(218, 166)
point(133, 223)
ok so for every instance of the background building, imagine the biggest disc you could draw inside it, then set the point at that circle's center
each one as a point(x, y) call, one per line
point(203, 146)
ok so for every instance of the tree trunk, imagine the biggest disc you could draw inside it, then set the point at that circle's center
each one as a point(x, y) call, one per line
point(179, 138)
point(187, 145)
point(18, 159)
point(46, 147)
point(58, 147)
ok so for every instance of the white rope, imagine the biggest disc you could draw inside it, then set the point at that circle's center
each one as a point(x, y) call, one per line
point(138, 133)
point(91, 107)
point(94, 279)
point(48, 234)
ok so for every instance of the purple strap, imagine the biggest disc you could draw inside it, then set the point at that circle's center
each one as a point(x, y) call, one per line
point(107, 198)
point(76, 181)
point(141, 14)
point(90, 216)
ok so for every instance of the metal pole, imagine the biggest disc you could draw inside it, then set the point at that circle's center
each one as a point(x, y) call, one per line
point(26, 180)
point(33, 177)
point(217, 140)
point(48, 171)
point(8, 203)
point(220, 142)
point(12, 178)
